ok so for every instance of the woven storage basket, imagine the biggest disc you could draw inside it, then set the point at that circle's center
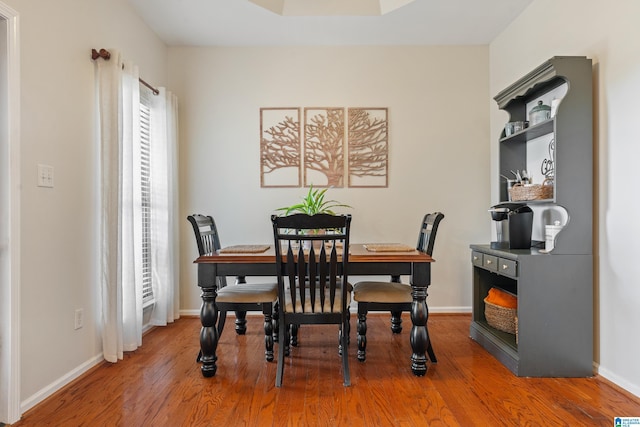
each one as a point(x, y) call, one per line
point(542, 191)
point(501, 318)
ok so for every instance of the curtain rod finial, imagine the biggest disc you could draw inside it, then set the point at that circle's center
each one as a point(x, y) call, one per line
point(102, 54)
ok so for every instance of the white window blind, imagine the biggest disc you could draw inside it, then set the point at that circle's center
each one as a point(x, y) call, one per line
point(145, 171)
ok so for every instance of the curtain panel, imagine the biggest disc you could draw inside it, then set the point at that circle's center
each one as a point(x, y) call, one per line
point(120, 246)
point(164, 208)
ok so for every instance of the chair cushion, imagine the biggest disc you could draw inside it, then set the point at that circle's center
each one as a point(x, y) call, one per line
point(318, 308)
point(382, 292)
point(248, 292)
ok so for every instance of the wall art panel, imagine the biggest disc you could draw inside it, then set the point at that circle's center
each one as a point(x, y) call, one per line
point(280, 154)
point(368, 142)
point(324, 147)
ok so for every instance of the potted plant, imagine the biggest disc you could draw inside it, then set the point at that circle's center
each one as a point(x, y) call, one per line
point(314, 203)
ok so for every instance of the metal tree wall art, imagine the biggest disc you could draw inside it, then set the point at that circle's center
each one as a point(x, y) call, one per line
point(324, 147)
point(280, 147)
point(368, 147)
point(315, 152)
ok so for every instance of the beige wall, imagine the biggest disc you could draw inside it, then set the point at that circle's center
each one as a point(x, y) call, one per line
point(58, 247)
point(439, 142)
point(607, 32)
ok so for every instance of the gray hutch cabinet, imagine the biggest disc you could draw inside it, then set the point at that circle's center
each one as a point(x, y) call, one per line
point(554, 289)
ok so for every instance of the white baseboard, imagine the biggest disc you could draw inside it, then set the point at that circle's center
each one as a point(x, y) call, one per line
point(449, 310)
point(55, 386)
point(619, 381)
point(190, 312)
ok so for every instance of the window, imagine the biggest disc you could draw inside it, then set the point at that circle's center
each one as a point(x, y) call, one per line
point(145, 191)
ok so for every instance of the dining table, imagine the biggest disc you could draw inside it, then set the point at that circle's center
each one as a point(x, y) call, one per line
point(393, 260)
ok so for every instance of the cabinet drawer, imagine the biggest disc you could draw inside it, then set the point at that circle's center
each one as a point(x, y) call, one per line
point(503, 266)
point(490, 262)
point(508, 267)
point(476, 258)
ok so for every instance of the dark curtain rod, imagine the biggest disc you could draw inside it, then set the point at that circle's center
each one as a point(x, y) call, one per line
point(106, 55)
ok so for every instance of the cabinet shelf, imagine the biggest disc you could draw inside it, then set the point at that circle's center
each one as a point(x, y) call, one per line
point(504, 337)
point(533, 202)
point(532, 132)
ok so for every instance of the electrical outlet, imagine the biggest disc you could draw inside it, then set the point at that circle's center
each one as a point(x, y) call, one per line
point(79, 319)
point(45, 176)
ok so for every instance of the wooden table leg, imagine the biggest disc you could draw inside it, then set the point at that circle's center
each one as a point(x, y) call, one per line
point(419, 338)
point(419, 334)
point(208, 318)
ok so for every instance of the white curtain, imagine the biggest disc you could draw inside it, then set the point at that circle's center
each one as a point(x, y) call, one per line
point(118, 121)
point(130, 211)
point(118, 97)
point(164, 208)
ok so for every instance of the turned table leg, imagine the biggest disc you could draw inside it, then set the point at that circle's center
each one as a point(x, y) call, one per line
point(419, 334)
point(208, 318)
point(208, 333)
point(419, 338)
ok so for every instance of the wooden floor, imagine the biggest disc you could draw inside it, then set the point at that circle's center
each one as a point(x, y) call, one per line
point(160, 385)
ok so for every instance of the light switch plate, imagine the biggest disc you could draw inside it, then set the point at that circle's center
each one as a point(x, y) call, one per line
point(45, 176)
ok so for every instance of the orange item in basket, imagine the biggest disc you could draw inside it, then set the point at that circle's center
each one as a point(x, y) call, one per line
point(502, 298)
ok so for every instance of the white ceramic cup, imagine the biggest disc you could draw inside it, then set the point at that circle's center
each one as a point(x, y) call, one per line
point(550, 233)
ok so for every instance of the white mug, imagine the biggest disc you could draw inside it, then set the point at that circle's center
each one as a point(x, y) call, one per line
point(550, 233)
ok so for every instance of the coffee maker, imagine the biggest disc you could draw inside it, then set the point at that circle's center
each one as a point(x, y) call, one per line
point(514, 222)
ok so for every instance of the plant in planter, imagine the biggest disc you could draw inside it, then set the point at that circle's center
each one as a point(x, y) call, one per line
point(314, 203)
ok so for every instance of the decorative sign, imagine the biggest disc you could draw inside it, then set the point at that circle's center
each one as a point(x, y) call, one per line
point(319, 156)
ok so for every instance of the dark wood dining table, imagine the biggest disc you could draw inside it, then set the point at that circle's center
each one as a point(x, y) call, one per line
point(362, 262)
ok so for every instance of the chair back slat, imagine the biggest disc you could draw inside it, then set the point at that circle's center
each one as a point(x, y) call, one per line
point(293, 274)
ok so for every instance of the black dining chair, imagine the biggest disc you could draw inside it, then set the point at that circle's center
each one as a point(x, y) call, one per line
point(239, 297)
point(393, 296)
point(311, 268)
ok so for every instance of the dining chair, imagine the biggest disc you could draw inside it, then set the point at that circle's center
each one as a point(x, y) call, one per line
point(393, 296)
point(312, 255)
point(239, 297)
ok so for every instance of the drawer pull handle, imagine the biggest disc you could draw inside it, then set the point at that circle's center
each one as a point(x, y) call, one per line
point(475, 258)
point(488, 261)
point(505, 267)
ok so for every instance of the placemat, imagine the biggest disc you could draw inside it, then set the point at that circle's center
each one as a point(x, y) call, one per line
point(244, 249)
point(388, 247)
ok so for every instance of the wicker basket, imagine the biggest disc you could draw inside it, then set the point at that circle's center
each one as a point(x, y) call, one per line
point(501, 318)
point(542, 191)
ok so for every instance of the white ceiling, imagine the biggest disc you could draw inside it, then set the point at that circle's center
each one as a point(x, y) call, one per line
point(243, 23)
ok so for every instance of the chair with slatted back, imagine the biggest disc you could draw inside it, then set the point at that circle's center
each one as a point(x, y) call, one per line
point(312, 277)
point(393, 296)
point(239, 297)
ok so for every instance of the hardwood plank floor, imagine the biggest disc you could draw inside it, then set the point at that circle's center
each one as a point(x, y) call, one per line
point(160, 385)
